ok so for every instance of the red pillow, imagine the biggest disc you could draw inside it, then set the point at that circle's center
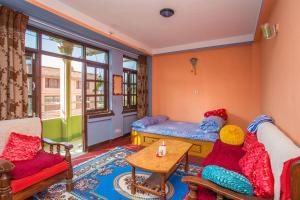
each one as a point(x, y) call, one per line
point(29, 167)
point(219, 112)
point(249, 140)
point(21, 147)
point(255, 165)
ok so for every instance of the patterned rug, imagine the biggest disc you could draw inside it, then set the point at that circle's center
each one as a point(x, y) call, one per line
point(108, 176)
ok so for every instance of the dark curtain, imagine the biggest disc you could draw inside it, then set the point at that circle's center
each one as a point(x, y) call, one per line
point(142, 87)
point(13, 70)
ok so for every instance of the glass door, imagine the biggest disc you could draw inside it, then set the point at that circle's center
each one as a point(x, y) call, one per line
point(61, 100)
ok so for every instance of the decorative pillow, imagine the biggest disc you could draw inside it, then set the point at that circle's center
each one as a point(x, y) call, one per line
point(263, 182)
point(256, 167)
point(249, 140)
point(160, 118)
point(219, 112)
point(21, 147)
point(248, 161)
point(232, 134)
point(29, 167)
point(227, 179)
point(144, 122)
point(212, 124)
point(225, 155)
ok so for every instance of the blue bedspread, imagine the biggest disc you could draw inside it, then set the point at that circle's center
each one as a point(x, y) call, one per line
point(180, 129)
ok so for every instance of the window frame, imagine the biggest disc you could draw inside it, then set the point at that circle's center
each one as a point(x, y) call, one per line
point(129, 107)
point(37, 74)
point(105, 67)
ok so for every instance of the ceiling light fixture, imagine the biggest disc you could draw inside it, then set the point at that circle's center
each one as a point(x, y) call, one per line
point(166, 12)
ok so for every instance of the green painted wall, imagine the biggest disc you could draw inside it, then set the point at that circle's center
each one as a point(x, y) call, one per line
point(76, 126)
point(53, 128)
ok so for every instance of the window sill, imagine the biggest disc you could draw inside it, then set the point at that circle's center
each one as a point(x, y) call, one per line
point(129, 111)
point(99, 115)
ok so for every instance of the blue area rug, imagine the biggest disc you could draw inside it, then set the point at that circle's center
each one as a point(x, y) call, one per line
point(108, 176)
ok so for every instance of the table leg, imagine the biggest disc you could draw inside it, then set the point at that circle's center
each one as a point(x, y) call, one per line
point(186, 162)
point(163, 187)
point(133, 188)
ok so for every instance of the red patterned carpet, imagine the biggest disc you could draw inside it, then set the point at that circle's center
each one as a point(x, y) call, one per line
point(122, 141)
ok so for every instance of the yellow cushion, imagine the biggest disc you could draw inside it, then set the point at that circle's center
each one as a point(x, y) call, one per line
point(232, 134)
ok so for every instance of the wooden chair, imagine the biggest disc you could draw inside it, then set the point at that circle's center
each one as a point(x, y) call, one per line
point(280, 149)
point(32, 126)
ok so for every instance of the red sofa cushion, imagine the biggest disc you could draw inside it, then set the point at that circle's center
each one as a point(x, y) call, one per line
point(249, 140)
point(29, 167)
point(21, 147)
point(21, 184)
point(256, 167)
point(223, 155)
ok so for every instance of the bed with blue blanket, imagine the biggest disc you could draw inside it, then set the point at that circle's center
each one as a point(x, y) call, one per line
point(201, 135)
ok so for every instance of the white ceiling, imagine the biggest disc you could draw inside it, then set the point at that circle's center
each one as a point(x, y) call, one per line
point(195, 24)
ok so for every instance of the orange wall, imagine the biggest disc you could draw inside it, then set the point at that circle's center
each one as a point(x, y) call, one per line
point(227, 77)
point(280, 60)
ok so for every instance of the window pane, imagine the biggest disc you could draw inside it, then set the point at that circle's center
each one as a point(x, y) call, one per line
point(125, 89)
point(90, 73)
point(125, 101)
point(29, 106)
point(29, 64)
point(125, 80)
point(31, 39)
point(100, 74)
point(52, 88)
point(29, 82)
point(129, 63)
point(100, 88)
point(90, 88)
point(100, 102)
point(90, 103)
point(61, 46)
point(133, 89)
point(133, 78)
point(76, 81)
point(96, 55)
point(133, 100)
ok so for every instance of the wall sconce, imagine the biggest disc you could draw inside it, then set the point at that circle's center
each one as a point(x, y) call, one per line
point(269, 31)
point(194, 65)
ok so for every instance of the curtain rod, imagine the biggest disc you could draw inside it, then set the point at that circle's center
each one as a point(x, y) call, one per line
point(49, 27)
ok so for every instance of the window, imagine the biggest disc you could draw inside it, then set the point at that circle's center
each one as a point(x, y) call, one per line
point(30, 63)
point(78, 84)
point(129, 84)
point(96, 87)
point(62, 64)
point(31, 39)
point(60, 46)
point(96, 55)
point(51, 83)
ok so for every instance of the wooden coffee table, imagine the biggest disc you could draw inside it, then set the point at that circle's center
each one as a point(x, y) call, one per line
point(162, 167)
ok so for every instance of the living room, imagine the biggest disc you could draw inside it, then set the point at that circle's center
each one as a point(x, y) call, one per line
point(149, 99)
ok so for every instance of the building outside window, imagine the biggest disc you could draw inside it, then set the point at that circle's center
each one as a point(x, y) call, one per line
point(52, 83)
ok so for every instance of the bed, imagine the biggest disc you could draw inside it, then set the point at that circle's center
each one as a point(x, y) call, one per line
point(185, 131)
